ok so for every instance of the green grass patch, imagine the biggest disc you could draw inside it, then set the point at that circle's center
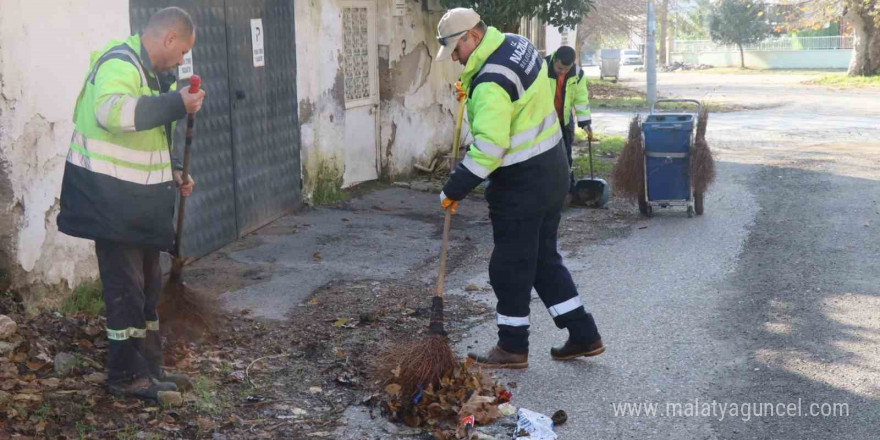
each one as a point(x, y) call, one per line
point(84, 429)
point(87, 298)
point(43, 412)
point(581, 165)
point(208, 400)
point(844, 80)
point(641, 104)
point(606, 148)
point(327, 191)
point(616, 96)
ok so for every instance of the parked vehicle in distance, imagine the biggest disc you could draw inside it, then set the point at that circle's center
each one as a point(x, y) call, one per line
point(631, 56)
point(588, 60)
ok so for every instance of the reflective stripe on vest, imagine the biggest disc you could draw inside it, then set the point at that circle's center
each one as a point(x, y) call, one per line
point(141, 167)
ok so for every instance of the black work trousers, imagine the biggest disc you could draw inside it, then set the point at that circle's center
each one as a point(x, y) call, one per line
point(132, 281)
point(526, 256)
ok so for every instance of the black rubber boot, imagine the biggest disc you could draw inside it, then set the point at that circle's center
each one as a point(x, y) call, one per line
point(142, 388)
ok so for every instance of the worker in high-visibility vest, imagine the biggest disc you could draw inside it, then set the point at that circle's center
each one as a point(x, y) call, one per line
point(518, 148)
point(120, 184)
point(570, 92)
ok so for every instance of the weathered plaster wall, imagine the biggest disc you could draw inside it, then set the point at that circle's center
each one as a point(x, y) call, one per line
point(416, 113)
point(417, 94)
point(321, 93)
point(44, 54)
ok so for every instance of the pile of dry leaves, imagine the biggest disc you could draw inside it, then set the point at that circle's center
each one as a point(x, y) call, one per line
point(50, 363)
point(465, 398)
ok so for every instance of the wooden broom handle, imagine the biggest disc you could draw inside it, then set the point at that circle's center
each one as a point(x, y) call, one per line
point(447, 221)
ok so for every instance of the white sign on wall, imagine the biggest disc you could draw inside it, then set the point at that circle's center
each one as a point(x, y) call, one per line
point(185, 70)
point(398, 9)
point(257, 37)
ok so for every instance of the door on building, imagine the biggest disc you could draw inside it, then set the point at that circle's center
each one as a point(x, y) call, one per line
point(245, 153)
point(360, 67)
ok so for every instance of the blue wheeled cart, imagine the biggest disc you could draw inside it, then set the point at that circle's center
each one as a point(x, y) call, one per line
point(668, 139)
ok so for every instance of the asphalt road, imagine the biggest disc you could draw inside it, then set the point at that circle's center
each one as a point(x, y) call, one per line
point(770, 298)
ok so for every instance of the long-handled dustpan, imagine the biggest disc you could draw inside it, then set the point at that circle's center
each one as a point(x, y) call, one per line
point(592, 192)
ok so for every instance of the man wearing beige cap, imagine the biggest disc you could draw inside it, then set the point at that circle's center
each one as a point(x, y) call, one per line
point(518, 148)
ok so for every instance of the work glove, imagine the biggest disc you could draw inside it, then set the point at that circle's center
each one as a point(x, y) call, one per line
point(588, 127)
point(460, 94)
point(448, 204)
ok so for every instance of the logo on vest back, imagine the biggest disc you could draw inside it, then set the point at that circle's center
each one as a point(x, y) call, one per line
point(524, 55)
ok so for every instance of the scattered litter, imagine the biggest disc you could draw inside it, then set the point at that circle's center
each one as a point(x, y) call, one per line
point(533, 426)
point(559, 417)
point(482, 408)
point(315, 390)
point(255, 398)
point(506, 409)
point(347, 379)
point(504, 396)
point(466, 427)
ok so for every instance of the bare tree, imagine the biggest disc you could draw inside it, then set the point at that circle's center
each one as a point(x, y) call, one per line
point(664, 30)
point(863, 15)
point(612, 21)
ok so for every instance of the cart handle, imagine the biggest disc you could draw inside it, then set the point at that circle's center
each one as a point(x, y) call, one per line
point(699, 104)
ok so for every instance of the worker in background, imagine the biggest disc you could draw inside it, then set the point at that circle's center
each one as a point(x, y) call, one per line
point(518, 147)
point(570, 85)
point(120, 187)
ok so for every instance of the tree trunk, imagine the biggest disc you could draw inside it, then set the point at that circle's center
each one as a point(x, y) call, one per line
point(664, 26)
point(512, 28)
point(866, 46)
point(742, 56)
point(584, 33)
point(670, 45)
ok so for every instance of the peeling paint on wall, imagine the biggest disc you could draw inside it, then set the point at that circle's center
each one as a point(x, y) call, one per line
point(320, 91)
point(417, 94)
point(411, 71)
point(35, 130)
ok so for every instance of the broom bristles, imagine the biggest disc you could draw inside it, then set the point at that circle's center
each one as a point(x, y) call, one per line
point(702, 162)
point(186, 314)
point(702, 121)
point(628, 174)
point(414, 364)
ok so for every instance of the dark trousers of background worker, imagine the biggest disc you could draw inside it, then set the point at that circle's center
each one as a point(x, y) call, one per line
point(568, 138)
point(525, 207)
point(132, 281)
